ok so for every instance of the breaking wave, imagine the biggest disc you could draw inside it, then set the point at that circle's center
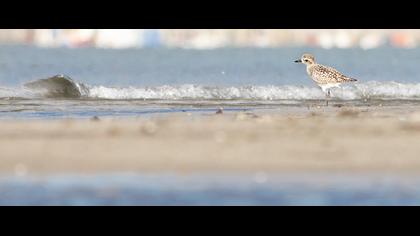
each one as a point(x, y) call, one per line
point(61, 86)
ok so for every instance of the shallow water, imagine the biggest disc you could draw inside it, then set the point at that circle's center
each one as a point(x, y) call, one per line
point(211, 189)
point(161, 81)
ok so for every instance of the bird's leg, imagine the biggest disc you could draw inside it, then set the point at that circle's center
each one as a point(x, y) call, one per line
point(328, 95)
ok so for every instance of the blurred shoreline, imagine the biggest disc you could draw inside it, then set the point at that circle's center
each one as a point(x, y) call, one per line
point(212, 38)
point(349, 139)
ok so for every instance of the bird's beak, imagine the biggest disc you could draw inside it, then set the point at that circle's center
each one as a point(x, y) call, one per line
point(298, 61)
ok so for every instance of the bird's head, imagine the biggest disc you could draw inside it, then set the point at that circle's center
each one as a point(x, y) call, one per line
point(307, 59)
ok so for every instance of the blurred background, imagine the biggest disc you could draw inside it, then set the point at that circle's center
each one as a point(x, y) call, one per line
point(212, 38)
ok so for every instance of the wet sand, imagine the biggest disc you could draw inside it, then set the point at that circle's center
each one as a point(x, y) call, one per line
point(322, 140)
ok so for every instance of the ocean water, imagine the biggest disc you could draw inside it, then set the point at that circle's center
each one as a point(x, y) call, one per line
point(134, 82)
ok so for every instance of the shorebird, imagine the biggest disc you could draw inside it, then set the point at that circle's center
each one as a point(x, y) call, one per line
point(326, 77)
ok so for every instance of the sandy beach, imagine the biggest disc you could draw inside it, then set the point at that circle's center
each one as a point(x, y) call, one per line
point(339, 139)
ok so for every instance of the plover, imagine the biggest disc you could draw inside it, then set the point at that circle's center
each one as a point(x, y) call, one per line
point(326, 77)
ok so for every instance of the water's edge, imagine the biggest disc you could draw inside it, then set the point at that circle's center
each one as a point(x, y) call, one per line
point(62, 86)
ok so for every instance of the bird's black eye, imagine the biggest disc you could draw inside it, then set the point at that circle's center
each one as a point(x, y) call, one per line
point(306, 60)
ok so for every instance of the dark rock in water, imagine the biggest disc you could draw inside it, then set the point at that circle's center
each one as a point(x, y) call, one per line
point(59, 86)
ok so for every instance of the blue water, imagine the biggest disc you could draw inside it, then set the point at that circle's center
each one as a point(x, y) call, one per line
point(133, 82)
point(211, 189)
point(223, 67)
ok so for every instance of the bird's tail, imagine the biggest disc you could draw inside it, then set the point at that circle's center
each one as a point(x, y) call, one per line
point(351, 79)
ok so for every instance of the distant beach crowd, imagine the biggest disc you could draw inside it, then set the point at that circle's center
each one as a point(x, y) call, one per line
point(211, 38)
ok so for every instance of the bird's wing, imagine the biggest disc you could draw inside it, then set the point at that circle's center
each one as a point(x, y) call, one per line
point(325, 74)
